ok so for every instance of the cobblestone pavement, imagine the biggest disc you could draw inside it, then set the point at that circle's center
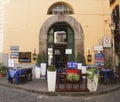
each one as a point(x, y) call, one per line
point(15, 95)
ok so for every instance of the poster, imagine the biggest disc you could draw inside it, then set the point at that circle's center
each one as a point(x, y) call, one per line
point(99, 59)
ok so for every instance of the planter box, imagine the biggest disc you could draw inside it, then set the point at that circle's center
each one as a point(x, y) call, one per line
point(37, 71)
point(92, 86)
point(51, 80)
point(43, 68)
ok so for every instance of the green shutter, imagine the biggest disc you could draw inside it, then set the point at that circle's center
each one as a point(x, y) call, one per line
point(70, 44)
point(50, 39)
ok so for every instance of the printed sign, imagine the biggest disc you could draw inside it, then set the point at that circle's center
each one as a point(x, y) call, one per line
point(99, 59)
point(72, 65)
point(68, 51)
point(98, 48)
point(106, 41)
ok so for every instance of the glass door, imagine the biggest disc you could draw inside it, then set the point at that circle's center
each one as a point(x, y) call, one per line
point(60, 39)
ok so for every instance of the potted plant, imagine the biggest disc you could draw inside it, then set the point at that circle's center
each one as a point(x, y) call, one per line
point(3, 70)
point(108, 63)
point(51, 78)
point(37, 67)
point(43, 63)
point(80, 61)
point(40, 69)
point(92, 78)
point(73, 77)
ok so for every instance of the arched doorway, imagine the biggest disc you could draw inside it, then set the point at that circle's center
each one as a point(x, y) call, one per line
point(69, 25)
point(60, 44)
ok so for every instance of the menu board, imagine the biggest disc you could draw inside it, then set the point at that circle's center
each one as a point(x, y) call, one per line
point(14, 51)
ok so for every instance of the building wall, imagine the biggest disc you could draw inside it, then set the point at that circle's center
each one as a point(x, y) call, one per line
point(117, 53)
point(3, 6)
point(24, 19)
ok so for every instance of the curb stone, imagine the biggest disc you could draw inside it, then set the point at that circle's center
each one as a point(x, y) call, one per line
point(75, 94)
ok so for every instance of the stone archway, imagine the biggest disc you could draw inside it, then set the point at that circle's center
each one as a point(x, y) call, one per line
point(78, 31)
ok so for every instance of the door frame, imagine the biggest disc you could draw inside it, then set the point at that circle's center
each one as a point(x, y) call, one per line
point(64, 32)
point(74, 24)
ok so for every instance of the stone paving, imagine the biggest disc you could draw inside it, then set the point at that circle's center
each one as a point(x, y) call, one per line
point(40, 86)
point(8, 94)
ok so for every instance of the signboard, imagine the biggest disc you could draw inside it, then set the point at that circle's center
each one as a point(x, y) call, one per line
point(99, 59)
point(98, 48)
point(106, 41)
point(11, 63)
point(72, 65)
point(14, 51)
point(50, 51)
point(68, 51)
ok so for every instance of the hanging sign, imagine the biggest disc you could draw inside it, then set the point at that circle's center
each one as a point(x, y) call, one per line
point(106, 41)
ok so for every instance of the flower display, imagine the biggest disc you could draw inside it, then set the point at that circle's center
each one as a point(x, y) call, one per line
point(73, 77)
point(3, 69)
point(91, 72)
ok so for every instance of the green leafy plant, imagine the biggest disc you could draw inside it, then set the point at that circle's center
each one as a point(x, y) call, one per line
point(38, 60)
point(91, 72)
point(108, 63)
point(72, 77)
point(41, 58)
point(80, 59)
point(3, 69)
point(51, 68)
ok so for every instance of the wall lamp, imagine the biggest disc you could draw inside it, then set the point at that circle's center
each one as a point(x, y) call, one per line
point(34, 55)
point(89, 56)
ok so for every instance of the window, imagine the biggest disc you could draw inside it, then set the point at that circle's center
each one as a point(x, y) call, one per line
point(115, 15)
point(60, 8)
point(60, 37)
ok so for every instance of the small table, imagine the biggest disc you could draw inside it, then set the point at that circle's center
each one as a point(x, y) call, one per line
point(14, 74)
point(108, 75)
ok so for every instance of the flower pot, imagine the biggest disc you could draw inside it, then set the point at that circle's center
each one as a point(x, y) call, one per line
point(37, 71)
point(2, 75)
point(51, 80)
point(43, 68)
point(92, 85)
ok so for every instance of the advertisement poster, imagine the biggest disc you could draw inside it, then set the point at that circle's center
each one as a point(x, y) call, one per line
point(99, 59)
